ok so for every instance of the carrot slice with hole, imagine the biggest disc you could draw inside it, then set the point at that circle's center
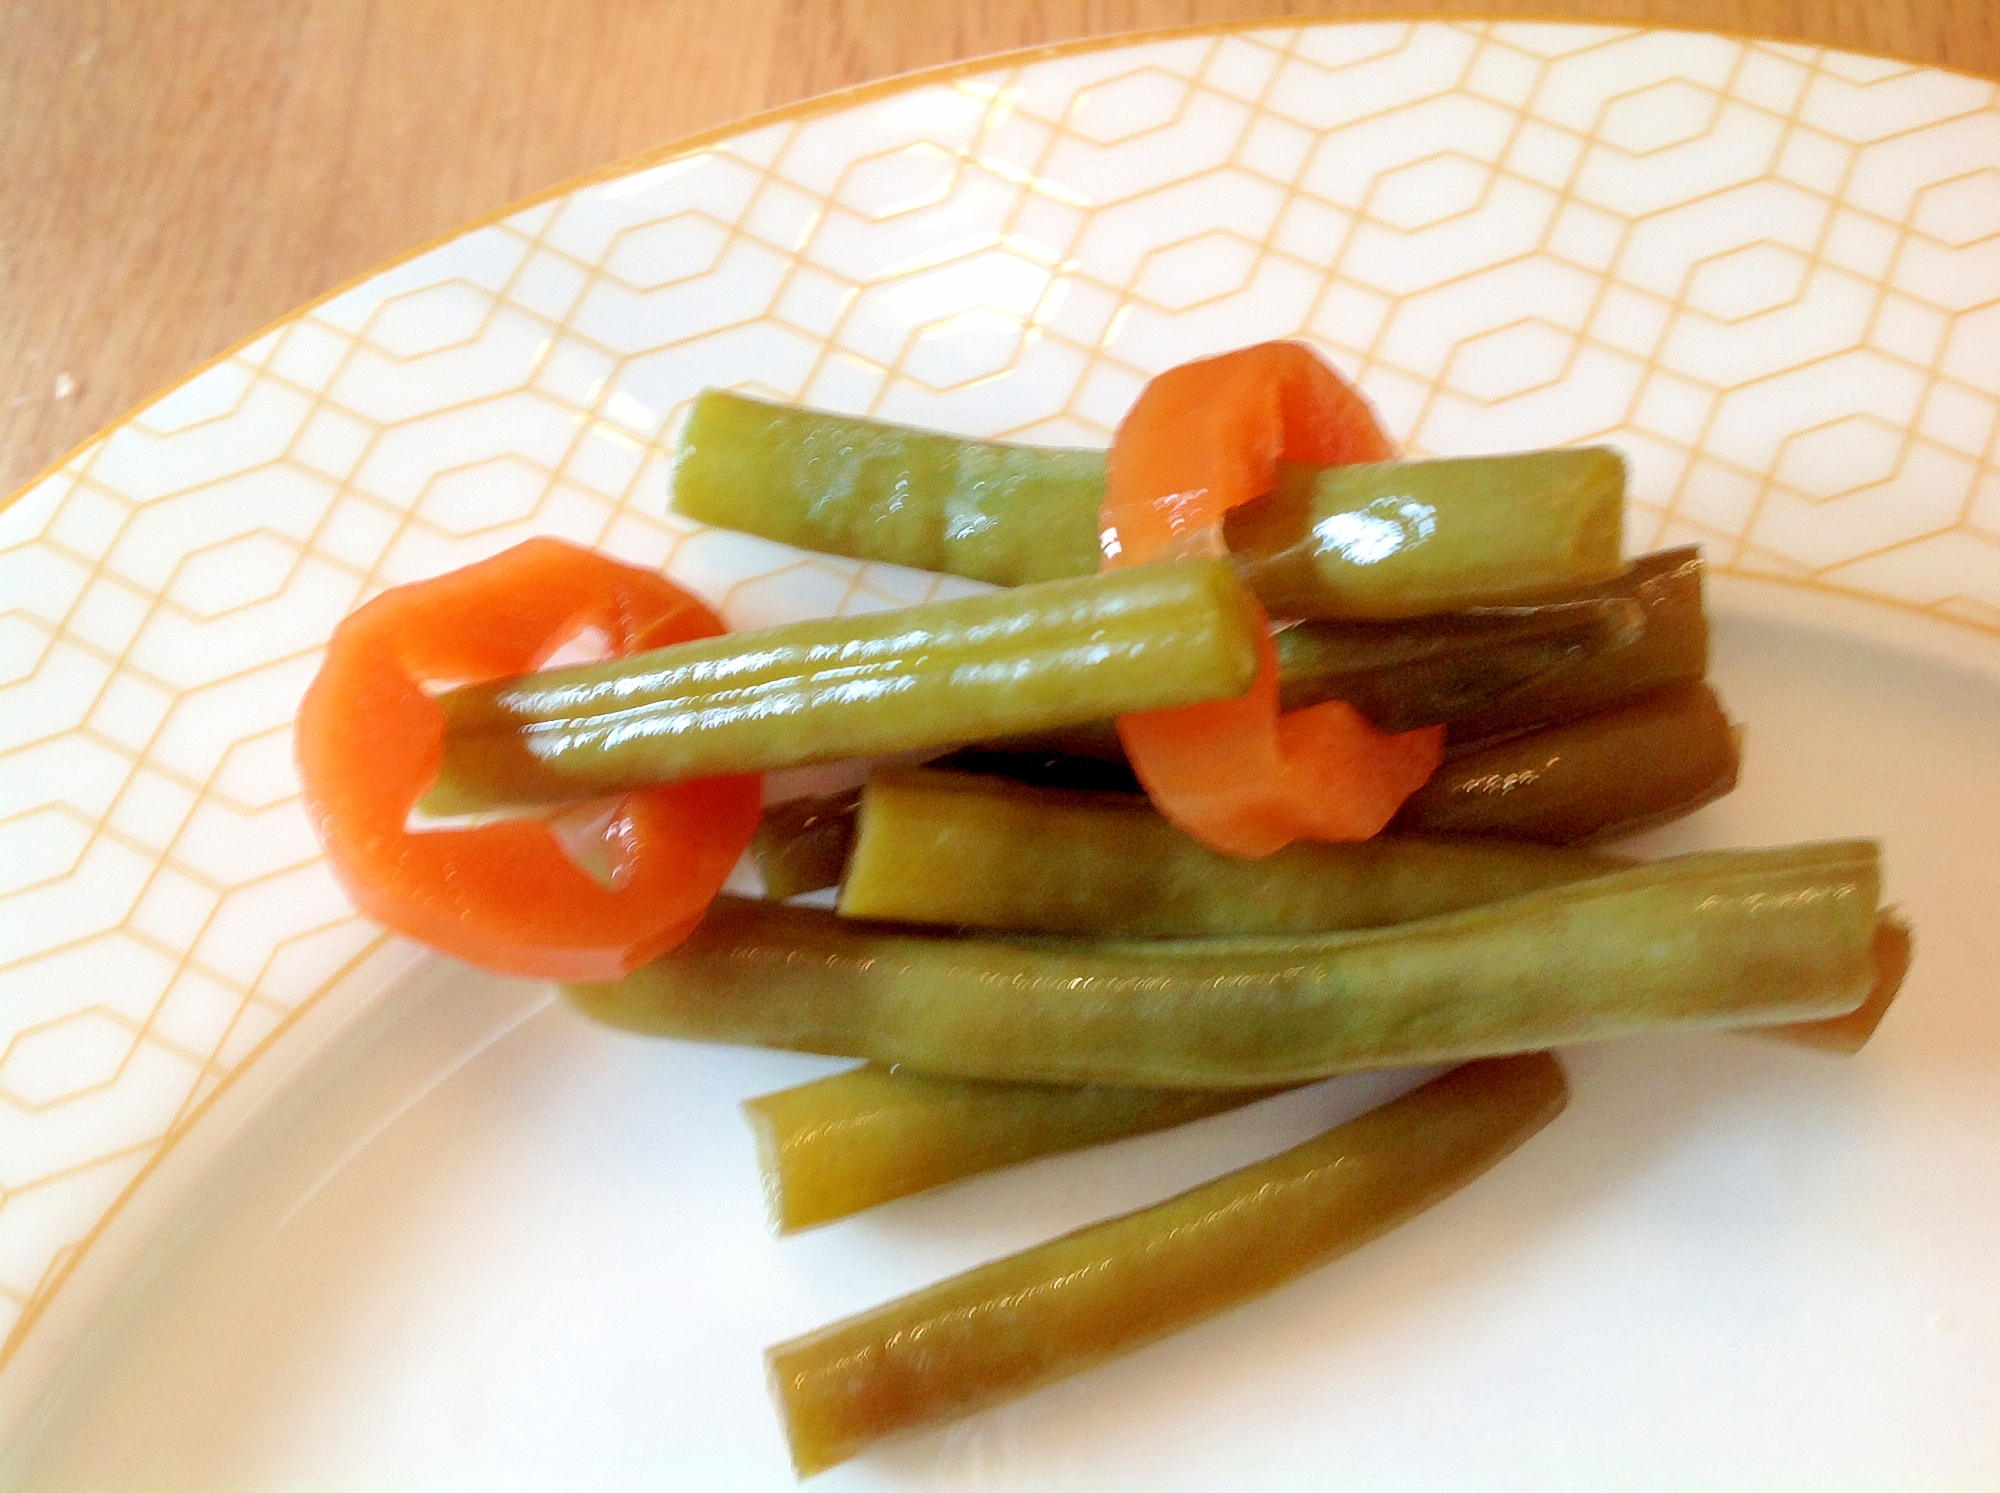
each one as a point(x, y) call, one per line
point(507, 896)
point(1236, 774)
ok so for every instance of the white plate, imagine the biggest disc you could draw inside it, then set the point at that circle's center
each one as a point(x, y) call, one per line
point(288, 1204)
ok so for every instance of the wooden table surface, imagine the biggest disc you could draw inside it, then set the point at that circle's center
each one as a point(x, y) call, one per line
point(174, 174)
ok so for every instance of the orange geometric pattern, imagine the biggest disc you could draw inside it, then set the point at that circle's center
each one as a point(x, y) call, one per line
point(1770, 274)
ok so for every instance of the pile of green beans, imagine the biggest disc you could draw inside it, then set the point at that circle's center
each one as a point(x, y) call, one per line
point(1574, 721)
point(1025, 970)
point(1596, 778)
point(966, 850)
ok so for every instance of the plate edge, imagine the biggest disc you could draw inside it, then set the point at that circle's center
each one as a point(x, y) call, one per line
point(855, 94)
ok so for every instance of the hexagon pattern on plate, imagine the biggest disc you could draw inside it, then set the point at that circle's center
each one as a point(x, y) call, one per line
point(1769, 273)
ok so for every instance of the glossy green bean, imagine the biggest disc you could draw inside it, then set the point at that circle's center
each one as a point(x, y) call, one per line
point(856, 1139)
point(927, 676)
point(1386, 540)
point(1399, 539)
point(1011, 515)
point(1890, 954)
point(1014, 1324)
point(975, 851)
point(1430, 671)
point(1670, 646)
point(1606, 775)
point(1712, 940)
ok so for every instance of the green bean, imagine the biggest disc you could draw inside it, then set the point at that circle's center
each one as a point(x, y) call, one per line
point(1711, 940)
point(1398, 539)
point(802, 844)
point(1010, 515)
point(1605, 775)
point(1430, 671)
point(1498, 671)
point(850, 1141)
point(979, 852)
point(1385, 540)
point(1485, 673)
point(1669, 647)
point(926, 676)
point(1889, 955)
point(1628, 767)
point(1007, 1327)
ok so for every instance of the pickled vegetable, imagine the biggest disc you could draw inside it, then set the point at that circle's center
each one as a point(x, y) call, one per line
point(509, 896)
point(1605, 775)
point(1398, 539)
point(1728, 938)
point(1011, 515)
point(1435, 670)
point(1890, 955)
point(802, 844)
point(848, 1142)
point(1592, 779)
point(1670, 646)
point(1007, 1327)
point(1414, 536)
point(1484, 673)
point(926, 676)
point(980, 852)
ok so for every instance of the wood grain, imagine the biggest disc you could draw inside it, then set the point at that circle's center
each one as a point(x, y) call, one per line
point(175, 175)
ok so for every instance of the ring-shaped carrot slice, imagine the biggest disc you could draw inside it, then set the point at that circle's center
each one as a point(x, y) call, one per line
point(1238, 776)
point(507, 895)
